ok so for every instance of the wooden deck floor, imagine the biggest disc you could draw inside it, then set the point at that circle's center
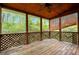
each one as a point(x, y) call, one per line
point(45, 47)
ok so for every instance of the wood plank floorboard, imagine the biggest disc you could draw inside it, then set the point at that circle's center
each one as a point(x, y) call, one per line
point(45, 47)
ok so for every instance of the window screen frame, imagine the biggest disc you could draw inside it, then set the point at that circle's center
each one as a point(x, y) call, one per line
point(48, 24)
point(39, 23)
point(17, 11)
point(70, 25)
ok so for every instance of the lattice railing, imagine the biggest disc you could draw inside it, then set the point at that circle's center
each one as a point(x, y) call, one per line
point(54, 35)
point(11, 40)
point(75, 38)
point(69, 37)
point(45, 35)
point(65, 36)
point(34, 37)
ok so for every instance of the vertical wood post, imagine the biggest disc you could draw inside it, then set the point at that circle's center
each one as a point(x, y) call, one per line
point(60, 28)
point(49, 30)
point(0, 29)
point(40, 28)
point(27, 42)
point(78, 28)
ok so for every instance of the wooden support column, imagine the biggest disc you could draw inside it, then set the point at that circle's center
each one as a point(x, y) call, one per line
point(40, 28)
point(78, 28)
point(60, 28)
point(27, 42)
point(49, 30)
point(0, 29)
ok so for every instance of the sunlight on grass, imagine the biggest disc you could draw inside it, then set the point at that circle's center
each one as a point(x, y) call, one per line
point(71, 28)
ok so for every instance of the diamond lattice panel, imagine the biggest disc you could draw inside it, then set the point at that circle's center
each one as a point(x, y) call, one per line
point(67, 36)
point(11, 40)
point(55, 35)
point(33, 37)
point(45, 35)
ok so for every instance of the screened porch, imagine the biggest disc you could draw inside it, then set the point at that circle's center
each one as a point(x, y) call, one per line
point(25, 33)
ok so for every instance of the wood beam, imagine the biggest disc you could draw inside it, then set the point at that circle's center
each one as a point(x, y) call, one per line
point(0, 19)
point(60, 28)
point(78, 28)
point(0, 28)
point(49, 30)
point(27, 42)
point(40, 28)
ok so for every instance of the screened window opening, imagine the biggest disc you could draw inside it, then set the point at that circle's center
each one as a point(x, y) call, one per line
point(54, 24)
point(33, 23)
point(45, 24)
point(13, 21)
point(69, 23)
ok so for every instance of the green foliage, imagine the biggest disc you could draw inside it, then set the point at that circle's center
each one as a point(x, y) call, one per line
point(33, 24)
point(13, 28)
point(45, 24)
point(70, 29)
point(13, 22)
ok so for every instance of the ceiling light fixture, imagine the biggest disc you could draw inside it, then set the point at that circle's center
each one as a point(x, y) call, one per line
point(46, 6)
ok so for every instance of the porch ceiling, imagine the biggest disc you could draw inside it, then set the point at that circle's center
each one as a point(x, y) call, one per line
point(37, 9)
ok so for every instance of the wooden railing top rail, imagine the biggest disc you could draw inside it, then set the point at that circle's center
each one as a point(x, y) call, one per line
point(22, 33)
point(64, 32)
point(36, 32)
point(12, 33)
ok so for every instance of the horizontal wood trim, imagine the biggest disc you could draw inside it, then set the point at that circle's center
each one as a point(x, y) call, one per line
point(39, 32)
point(64, 32)
point(12, 33)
